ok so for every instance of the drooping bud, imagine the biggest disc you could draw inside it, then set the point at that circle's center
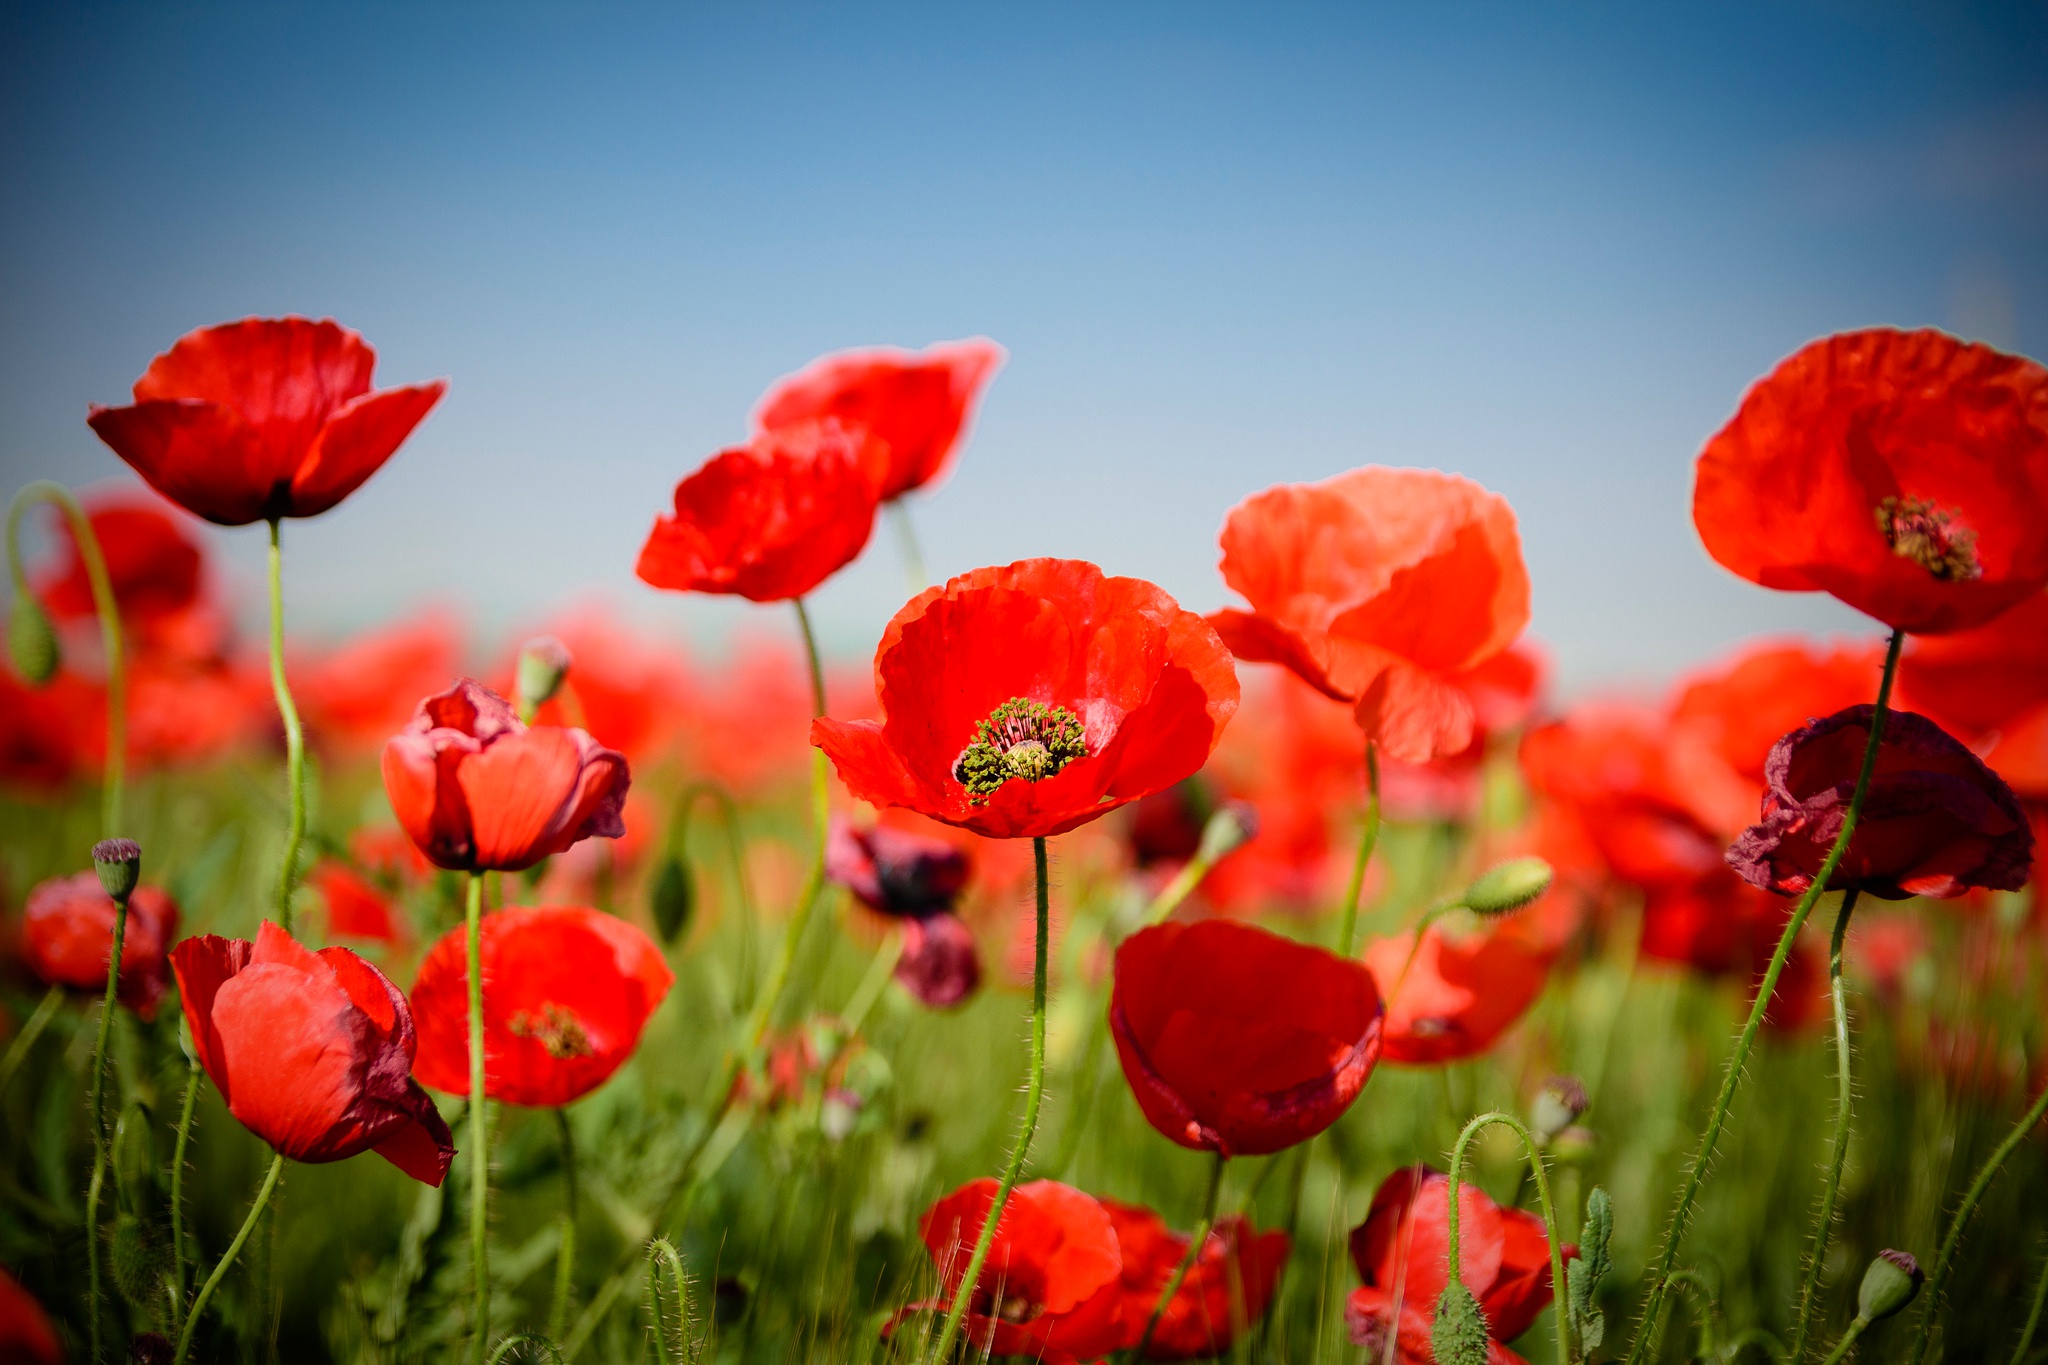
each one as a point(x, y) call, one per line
point(674, 898)
point(1889, 1284)
point(1230, 826)
point(31, 641)
point(1459, 1335)
point(543, 664)
point(1508, 886)
point(119, 863)
point(1556, 1107)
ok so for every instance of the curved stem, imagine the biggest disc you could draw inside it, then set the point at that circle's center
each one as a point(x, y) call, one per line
point(964, 1289)
point(1937, 1279)
point(1558, 1301)
point(906, 541)
point(1196, 1241)
point(228, 1257)
point(1348, 925)
point(663, 1254)
point(294, 737)
point(2019, 1353)
point(1844, 1102)
point(565, 1253)
point(518, 1339)
point(1848, 1341)
point(192, 1077)
point(100, 1153)
point(1739, 1058)
point(18, 1047)
point(479, 1141)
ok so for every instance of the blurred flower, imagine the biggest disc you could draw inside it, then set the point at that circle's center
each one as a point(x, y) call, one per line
point(311, 1051)
point(476, 789)
point(914, 404)
point(1227, 1288)
point(40, 732)
point(1402, 1251)
point(1936, 821)
point(939, 964)
point(1883, 950)
point(631, 693)
point(26, 1337)
point(918, 879)
point(262, 418)
point(1906, 473)
point(67, 931)
point(1030, 699)
point(352, 697)
point(153, 565)
point(388, 855)
point(770, 520)
point(1465, 987)
point(568, 991)
point(356, 907)
point(1383, 587)
point(1238, 1041)
point(1989, 686)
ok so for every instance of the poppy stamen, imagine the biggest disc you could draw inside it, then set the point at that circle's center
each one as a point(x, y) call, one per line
point(555, 1028)
point(1022, 739)
point(1917, 530)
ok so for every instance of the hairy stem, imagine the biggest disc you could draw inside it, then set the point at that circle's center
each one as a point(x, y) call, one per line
point(101, 1152)
point(1838, 1152)
point(479, 1140)
point(1550, 1232)
point(294, 738)
point(1196, 1241)
point(2019, 1352)
point(228, 1257)
point(192, 1082)
point(1847, 1343)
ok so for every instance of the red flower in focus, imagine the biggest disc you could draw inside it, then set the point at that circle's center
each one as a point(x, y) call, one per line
point(1990, 687)
point(67, 931)
point(1463, 990)
point(1385, 588)
point(354, 696)
point(1051, 1288)
point(476, 789)
point(1027, 700)
point(1906, 473)
point(26, 1337)
point(356, 906)
point(1402, 1251)
point(568, 991)
point(770, 520)
point(262, 418)
point(1936, 821)
point(311, 1051)
point(1228, 1287)
point(1238, 1041)
point(153, 566)
point(914, 404)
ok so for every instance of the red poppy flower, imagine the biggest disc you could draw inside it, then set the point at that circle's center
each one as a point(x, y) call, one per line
point(769, 520)
point(356, 907)
point(1936, 821)
point(631, 693)
point(895, 871)
point(1465, 988)
point(1239, 1041)
point(1906, 473)
point(355, 695)
point(1051, 1288)
point(567, 991)
point(311, 1051)
point(262, 418)
point(1030, 699)
point(42, 739)
point(477, 789)
point(1228, 1288)
point(26, 1337)
point(1385, 588)
point(153, 566)
point(1990, 686)
point(67, 931)
point(914, 404)
point(1402, 1251)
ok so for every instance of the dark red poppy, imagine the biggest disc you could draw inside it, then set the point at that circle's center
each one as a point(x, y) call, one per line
point(1238, 1041)
point(1030, 699)
point(1402, 1251)
point(769, 520)
point(1384, 588)
point(153, 566)
point(940, 964)
point(1906, 473)
point(1466, 985)
point(262, 418)
point(1936, 821)
point(311, 1051)
point(894, 871)
point(1226, 1290)
point(1990, 687)
point(355, 695)
point(356, 906)
point(1051, 1288)
point(26, 1337)
point(477, 789)
point(67, 932)
point(567, 991)
point(914, 404)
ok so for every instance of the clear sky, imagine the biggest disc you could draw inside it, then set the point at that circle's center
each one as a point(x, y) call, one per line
point(1543, 245)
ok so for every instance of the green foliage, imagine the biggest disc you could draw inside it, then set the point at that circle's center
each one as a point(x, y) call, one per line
point(1583, 1275)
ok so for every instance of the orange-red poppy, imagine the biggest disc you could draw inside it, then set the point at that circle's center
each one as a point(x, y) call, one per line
point(1990, 686)
point(353, 696)
point(356, 906)
point(67, 934)
point(1227, 1288)
point(1466, 985)
point(1906, 473)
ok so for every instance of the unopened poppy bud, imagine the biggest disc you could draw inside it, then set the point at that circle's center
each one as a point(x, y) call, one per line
point(31, 640)
point(1509, 886)
point(1556, 1107)
point(1458, 1336)
point(1575, 1144)
point(1891, 1282)
point(543, 663)
point(119, 863)
point(1230, 826)
point(674, 898)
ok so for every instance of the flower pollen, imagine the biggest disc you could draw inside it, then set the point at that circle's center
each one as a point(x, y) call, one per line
point(557, 1030)
point(1929, 536)
point(1022, 739)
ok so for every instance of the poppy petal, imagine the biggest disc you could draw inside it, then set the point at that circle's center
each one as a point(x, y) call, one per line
point(355, 442)
point(200, 455)
point(422, 1146)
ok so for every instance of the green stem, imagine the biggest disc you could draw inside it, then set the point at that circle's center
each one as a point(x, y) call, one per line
point(906, 541)
point(479, 1141)
point(523, 1339)
point(873, 982)
point(1196, 1241)
point(1842, 1347)
point(1937, 1280)
point(1838, 1153)
point(565, 1254)
point(1731, 1077)
point(2019, 1354)
point(100, 1153)
point(192, 1079)
point(1348, 926)
point(228, 1258)
point(294, 737)
point(18, 1048)
point(663, 1254)
point(1558, 1300)
point(1034, 1091)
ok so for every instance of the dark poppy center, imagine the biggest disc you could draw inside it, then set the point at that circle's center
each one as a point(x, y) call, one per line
point(1008, 1305)
point(1928, 535)
point(1022, 739)
point(554, 1028)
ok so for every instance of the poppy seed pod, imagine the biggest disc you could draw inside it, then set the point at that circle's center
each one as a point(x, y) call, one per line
point(1891, 1282)
point(543, 664)
point(119, 865)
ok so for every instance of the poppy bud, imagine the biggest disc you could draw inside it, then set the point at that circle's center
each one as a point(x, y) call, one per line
point(1891, 1282)
point(31, 641)
point(150, 1348)
point(1575, 1144)
point(138, 1261)
point(1231, 826)
point(543, 664)
point(1556, 1107)
point(119, 863)
point(674, 898)
point(1459, 1335)
point(1508, 886)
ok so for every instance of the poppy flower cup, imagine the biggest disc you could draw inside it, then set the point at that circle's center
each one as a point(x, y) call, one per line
point(1027, 700)
point(312, 1051)
point(914, 404)
point(476, 789)
point(262, 418)
point(1228, 1286)
point(1384, 588)
point(570, 990)
point(1906, 473)
point(67, 934)
point(1238, 1041)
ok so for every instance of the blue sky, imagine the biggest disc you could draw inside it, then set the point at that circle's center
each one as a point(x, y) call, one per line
point(1543, 246)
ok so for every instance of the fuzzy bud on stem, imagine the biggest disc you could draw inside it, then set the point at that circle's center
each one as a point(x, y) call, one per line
point(1509, 886)
point(1890, 1283)
point(543, 664)
point(31, 641)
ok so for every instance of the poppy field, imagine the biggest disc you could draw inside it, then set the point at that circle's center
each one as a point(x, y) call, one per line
point(1079, 979)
